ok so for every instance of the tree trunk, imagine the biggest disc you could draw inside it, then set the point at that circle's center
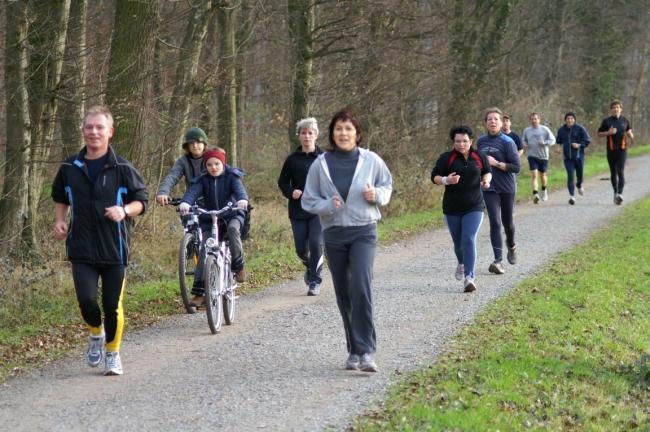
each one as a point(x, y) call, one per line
point(14, 201)
point(74, 74)
point(302, 18)
point(46, 65)
point(186, 70)
point(227, 95)
point(129, 74)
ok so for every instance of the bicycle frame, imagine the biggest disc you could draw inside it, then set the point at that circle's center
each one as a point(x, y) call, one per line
point(218, 249)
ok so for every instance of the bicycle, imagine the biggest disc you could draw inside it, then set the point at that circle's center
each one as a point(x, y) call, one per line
point(220, 284)
point(188, 255)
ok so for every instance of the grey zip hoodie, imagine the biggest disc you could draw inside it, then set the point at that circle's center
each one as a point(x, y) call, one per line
point(317, 198)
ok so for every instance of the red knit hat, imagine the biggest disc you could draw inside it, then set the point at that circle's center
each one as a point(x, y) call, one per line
point(215, 153)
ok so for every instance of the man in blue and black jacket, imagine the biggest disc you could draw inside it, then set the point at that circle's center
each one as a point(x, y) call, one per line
point(573, 138)
point(102, 192)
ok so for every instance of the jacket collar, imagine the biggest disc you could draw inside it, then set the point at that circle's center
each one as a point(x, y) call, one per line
point(111, 159)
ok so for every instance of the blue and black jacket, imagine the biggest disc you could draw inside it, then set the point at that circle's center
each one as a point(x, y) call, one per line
point(217, 192)
point(92, 237)
point(575, 134)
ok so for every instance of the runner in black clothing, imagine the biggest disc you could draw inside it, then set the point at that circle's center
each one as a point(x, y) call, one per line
point(463, 171)
point(617, 129)
point(103, 192)
point(307, 231)
point(512, 134)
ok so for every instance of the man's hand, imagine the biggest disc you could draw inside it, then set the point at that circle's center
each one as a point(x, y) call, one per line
point(60, 230)
point(612, 130)
point(242, 205)
point(575, 145)
point(115, 213)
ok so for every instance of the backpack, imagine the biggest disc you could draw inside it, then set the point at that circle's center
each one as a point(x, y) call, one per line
point(474, 156)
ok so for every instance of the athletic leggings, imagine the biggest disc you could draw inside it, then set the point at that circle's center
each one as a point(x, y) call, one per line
point(308, 239)
point(86, 283)
point(616, 160)
point(463, 229)
point(572, 165)
point(500, 207)
point(350, 254)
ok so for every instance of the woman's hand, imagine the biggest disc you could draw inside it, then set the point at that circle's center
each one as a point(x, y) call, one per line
point(337, 202)
point(297, 193)
point(369, 193)
point(453, 178)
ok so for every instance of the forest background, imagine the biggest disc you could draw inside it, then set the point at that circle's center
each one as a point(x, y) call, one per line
point(246, 70)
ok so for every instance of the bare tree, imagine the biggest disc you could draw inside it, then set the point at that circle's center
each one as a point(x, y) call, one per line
point(14, 202)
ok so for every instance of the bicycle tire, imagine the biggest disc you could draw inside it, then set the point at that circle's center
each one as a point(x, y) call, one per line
point(229, 298)
point(187, 257)
point(213, 295)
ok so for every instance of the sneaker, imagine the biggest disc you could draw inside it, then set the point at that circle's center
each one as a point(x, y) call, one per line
point(240, 276)
point(572, 200)
point(581, 191)
point(352, 363)
point(314, 289)
point(470, 285)
point(544, 195)
point(536, 198)
point(496, 268)
point(460, 272)
point(618, 199)
point(512, 255)
point(95, 352)
point(367, 363)
point(113, 364)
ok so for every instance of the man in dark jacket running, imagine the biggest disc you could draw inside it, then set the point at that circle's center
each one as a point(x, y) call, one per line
point(573, 138)
point(102, 192)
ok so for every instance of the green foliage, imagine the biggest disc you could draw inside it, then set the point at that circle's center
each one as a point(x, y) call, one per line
point(568, 349)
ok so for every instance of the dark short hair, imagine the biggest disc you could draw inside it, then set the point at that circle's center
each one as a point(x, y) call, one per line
point(570, 114)
point(492, 110)
point(462, 130)
point(534, 114)
point(505, 117)
point(615, 102)
point(345, 115)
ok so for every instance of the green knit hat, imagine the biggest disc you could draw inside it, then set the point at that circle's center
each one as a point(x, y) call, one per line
point(195, 134)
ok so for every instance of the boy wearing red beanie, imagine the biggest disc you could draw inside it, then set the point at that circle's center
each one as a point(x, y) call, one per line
point(220, 185)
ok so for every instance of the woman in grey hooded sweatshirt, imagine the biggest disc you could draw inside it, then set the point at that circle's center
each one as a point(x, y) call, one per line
point(345, 187)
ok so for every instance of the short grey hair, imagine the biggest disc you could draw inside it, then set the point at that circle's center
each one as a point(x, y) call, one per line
point(307, 123)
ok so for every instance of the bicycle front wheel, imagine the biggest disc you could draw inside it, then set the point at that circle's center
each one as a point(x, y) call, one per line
point(213, 297)
point(188, 257)
point(229, 297)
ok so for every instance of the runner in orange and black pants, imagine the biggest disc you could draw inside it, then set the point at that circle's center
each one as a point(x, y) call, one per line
point(616, 129)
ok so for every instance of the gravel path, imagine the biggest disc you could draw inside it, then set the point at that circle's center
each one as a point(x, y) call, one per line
point(279, 368)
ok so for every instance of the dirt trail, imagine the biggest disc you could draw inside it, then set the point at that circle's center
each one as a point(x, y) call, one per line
point(280, 366)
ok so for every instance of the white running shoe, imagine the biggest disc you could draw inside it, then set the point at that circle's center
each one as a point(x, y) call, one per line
point(95, 350)
point(545, 195)
point(470, 285)
point(460, 272)
point(572, 200)
point(619, 199)
point(581, 191)
point(113, 364)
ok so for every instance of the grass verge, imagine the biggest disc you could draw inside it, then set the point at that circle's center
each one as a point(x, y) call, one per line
point(568, 349)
